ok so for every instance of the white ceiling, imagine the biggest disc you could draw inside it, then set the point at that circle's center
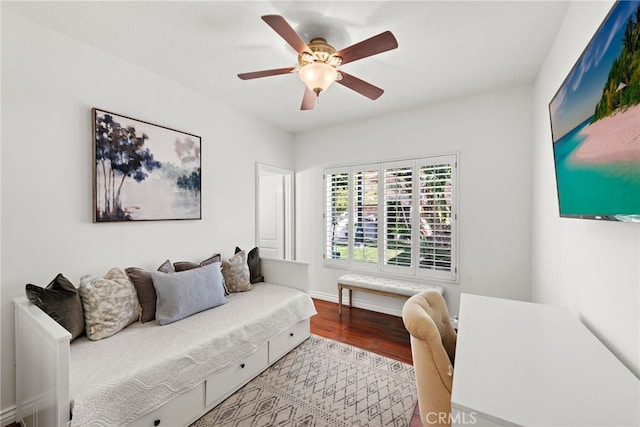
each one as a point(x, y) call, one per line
point(447, 49)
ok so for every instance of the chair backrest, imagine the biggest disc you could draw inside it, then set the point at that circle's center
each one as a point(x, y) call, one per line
point(433, 347)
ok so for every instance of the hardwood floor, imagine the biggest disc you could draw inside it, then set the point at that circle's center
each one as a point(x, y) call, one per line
point(375, 332)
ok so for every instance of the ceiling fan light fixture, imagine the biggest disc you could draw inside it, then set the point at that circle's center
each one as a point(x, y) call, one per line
point(334, 61)
point(318, 76)
point(306, 58)
point(319, 61)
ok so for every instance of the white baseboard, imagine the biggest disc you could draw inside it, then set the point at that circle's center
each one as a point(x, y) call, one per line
point(7, 416)
point(356, 303)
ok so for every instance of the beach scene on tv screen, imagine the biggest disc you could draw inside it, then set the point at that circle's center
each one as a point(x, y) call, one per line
point(595, 121)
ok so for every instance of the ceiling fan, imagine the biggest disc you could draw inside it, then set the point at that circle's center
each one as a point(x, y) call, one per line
point(319, 61)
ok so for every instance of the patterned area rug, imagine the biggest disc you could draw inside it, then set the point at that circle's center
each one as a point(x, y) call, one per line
point(322, 383)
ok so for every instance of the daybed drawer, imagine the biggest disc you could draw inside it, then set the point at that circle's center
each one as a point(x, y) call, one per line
point(285, 341)
point(232, 377)
point(179, 411)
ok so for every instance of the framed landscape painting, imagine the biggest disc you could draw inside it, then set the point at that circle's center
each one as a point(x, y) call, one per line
point(143, 172)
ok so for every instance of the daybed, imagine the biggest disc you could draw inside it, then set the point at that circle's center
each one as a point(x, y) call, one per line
point(150, 375)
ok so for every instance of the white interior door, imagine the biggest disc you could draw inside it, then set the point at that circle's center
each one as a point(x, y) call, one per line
point(271, 216)
point(274, 212)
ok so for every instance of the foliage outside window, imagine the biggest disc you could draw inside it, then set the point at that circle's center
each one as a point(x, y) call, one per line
point(370, 222)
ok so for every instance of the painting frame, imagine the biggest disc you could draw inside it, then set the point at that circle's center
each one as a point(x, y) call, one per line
point(143, 171)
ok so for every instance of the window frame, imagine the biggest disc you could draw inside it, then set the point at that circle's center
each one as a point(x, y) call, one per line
point(384, 266)
point(330, 260)
point(356, 264)
point(449, 275)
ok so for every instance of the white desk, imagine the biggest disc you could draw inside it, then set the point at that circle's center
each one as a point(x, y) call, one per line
point(528, 364)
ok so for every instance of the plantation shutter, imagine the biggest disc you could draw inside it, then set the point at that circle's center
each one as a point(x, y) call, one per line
point(397, 217)
point(336, 216)
point(397, 190)
point(364, 210)
point(437, 177)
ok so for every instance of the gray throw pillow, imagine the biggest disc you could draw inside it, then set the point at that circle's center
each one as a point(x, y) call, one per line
point(141, 280)
point(187, 265)
point(188, 292)
point(167, 267)
point(253, 260)
point(61, 301)
point(143, 283)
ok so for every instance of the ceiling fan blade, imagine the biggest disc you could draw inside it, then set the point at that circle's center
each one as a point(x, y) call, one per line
point(265, 73)
point(360, 86)
point(282, 27)
point(309, 99)
point(369, 47)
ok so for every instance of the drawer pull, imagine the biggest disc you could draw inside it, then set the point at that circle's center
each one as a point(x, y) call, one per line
point(290, 334)
point(242, 365)
point(156, 423)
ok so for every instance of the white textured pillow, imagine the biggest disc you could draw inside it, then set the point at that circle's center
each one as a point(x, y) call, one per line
point(109, 303)
point(188, 292)
point(236, 273)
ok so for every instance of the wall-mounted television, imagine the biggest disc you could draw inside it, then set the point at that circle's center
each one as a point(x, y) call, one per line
point(595, 123)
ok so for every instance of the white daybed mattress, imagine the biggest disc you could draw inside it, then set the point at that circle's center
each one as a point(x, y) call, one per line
point(118, 379)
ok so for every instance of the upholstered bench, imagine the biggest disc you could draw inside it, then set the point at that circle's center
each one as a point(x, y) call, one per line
point(380, 286)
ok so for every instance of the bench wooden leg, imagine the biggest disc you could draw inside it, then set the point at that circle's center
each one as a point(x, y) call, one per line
point(340, 289)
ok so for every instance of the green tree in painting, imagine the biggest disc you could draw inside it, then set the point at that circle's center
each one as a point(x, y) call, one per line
point(190, 182)
point(120, 154)
point(188, 151)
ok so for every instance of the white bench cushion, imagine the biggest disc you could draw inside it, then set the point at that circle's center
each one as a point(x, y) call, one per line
point(386, 284)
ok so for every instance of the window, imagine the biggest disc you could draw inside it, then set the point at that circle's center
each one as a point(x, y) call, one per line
point(336, 214)
point(395, 217)
point(364, 209)
point(398, 196)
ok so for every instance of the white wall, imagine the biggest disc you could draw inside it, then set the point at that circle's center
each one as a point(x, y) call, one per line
point(49, 84)
point(492, 134)
point(590, 267)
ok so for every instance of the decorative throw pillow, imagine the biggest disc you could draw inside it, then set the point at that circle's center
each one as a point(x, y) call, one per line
point(186, 265)
point(188, 292)
point(145, 291)
point(61, 301)
point(236, 273)
point(110, 303)
point(253, 260)
point(166, 267)
point(143, 283)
